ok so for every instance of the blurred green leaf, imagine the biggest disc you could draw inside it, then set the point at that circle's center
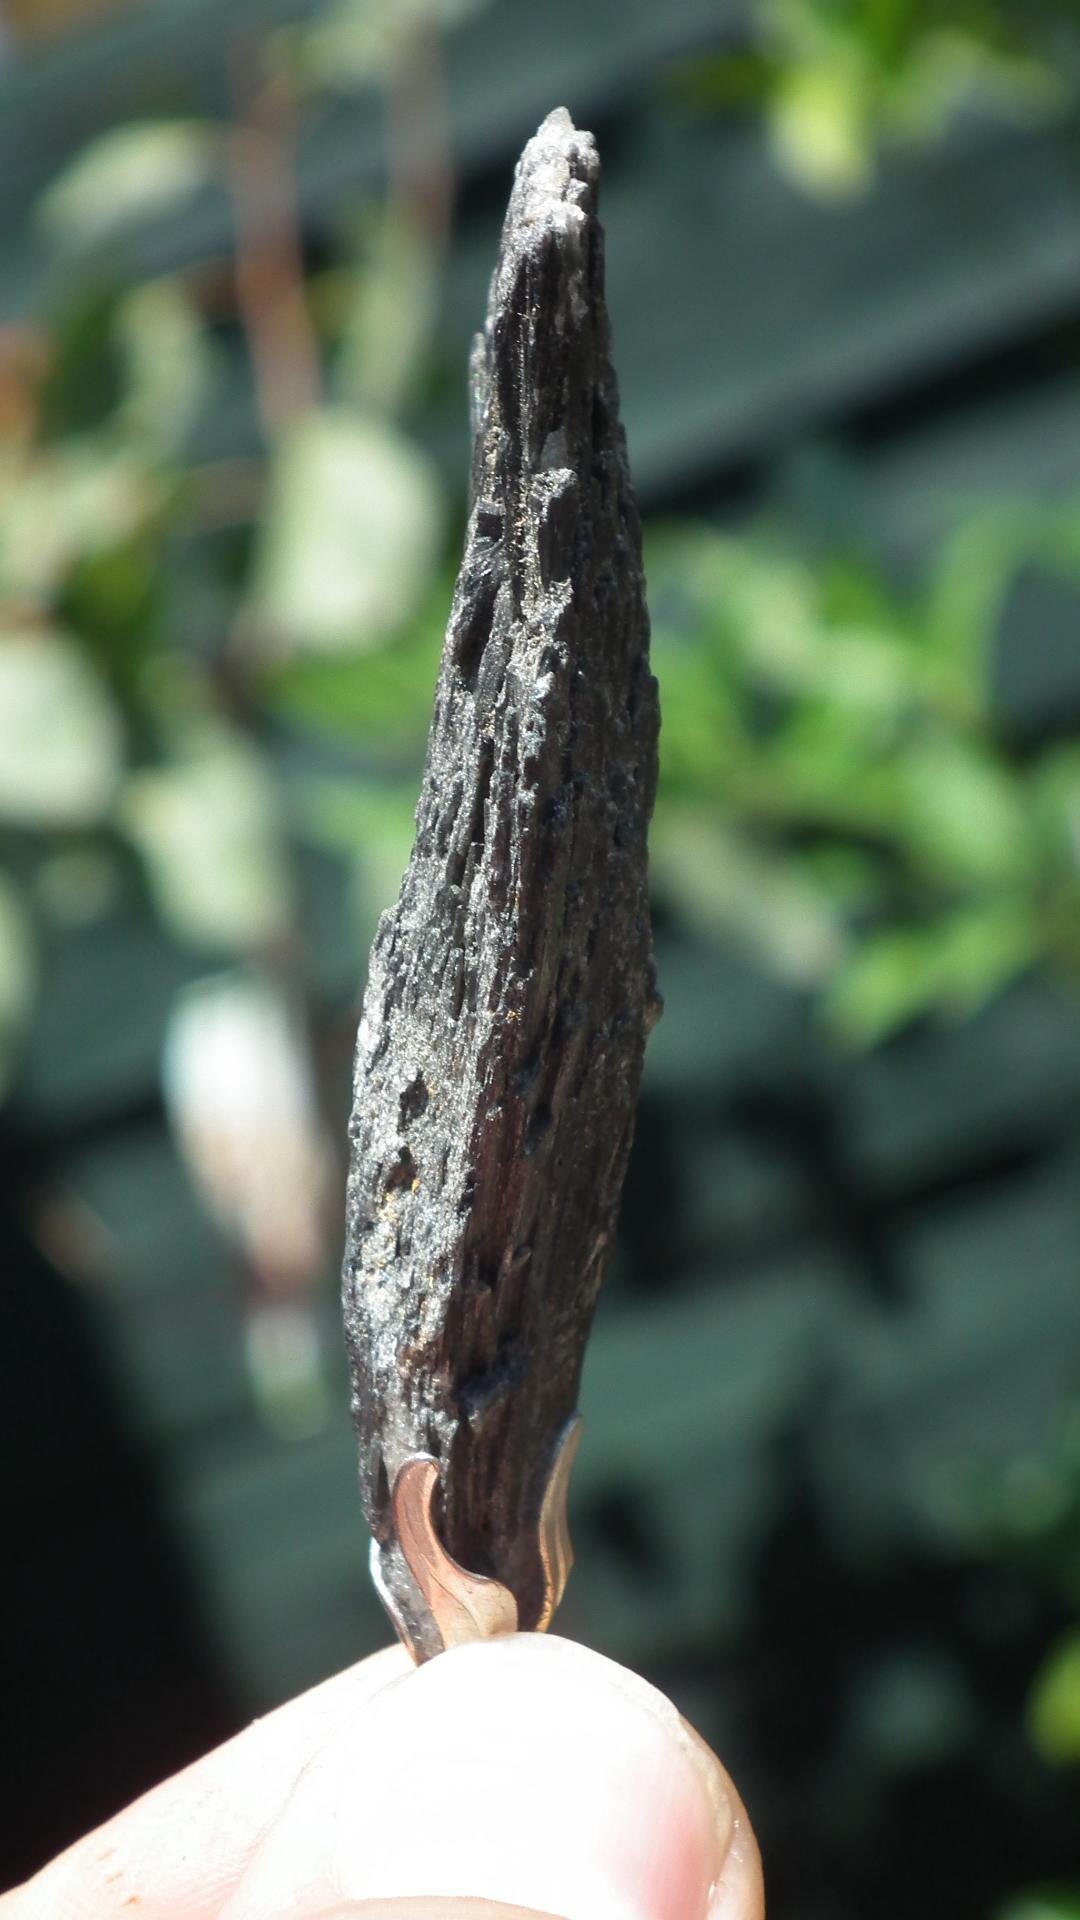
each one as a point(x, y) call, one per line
point(846, 78)
point(168, 364)
point(351, 535)
point(371, 823)
point(723, 881)
point(354, 42)
point(287, 1368)
point(751, 613)
point(111, 599)
point(982, 948)
point(63, 504)
point(382, 696)
point(61, 744)
point(130, 174)
point(84, 381)
point(390, 316)
point(347, 46)
point(971, 576)
point(207, 827)
point(953, 67)
point(1049, 1903)
point(962, 812)
point(825, 715)
point(821, 127)
point(887, 980)
point(766, 609)
point(953, 963)
point(1056, 786)
point(1054, 1707)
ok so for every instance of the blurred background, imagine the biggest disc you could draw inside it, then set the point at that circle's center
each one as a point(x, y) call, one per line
point(829, 1497)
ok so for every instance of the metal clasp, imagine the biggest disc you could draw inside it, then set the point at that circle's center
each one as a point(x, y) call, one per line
point(471, 1606)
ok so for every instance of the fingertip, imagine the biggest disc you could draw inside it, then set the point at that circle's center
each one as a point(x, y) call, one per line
point(524, 1771)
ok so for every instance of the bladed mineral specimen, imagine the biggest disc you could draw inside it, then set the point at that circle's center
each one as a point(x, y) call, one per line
point(511, 987)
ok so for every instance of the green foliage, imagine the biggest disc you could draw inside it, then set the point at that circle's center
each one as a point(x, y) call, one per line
point(870, 826)
point(350, 535)
point(837, 78)
point(168, 365)
point(60, 738)
point(358, 42)
point(128, 175)
point(206, 823)
point(159, 614)
point(379, 695)
point(1055, 1703)
point(835, 784)
point(1048, 1903)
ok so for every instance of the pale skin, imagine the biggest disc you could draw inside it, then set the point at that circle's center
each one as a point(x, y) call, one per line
point(517, 1775)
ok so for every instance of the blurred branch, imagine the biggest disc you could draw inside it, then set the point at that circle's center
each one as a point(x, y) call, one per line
point(421, 168)
point(23, 364)
point(388, 333)
point(36, 20)
point(269, 257)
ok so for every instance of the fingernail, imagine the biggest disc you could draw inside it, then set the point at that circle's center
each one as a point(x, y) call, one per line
point(738, 1890)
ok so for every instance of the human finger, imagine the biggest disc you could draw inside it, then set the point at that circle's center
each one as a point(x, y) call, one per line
point(178, 1851)
point(524, 1771)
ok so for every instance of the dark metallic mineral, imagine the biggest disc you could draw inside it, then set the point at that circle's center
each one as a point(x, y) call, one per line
point(511, 987)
